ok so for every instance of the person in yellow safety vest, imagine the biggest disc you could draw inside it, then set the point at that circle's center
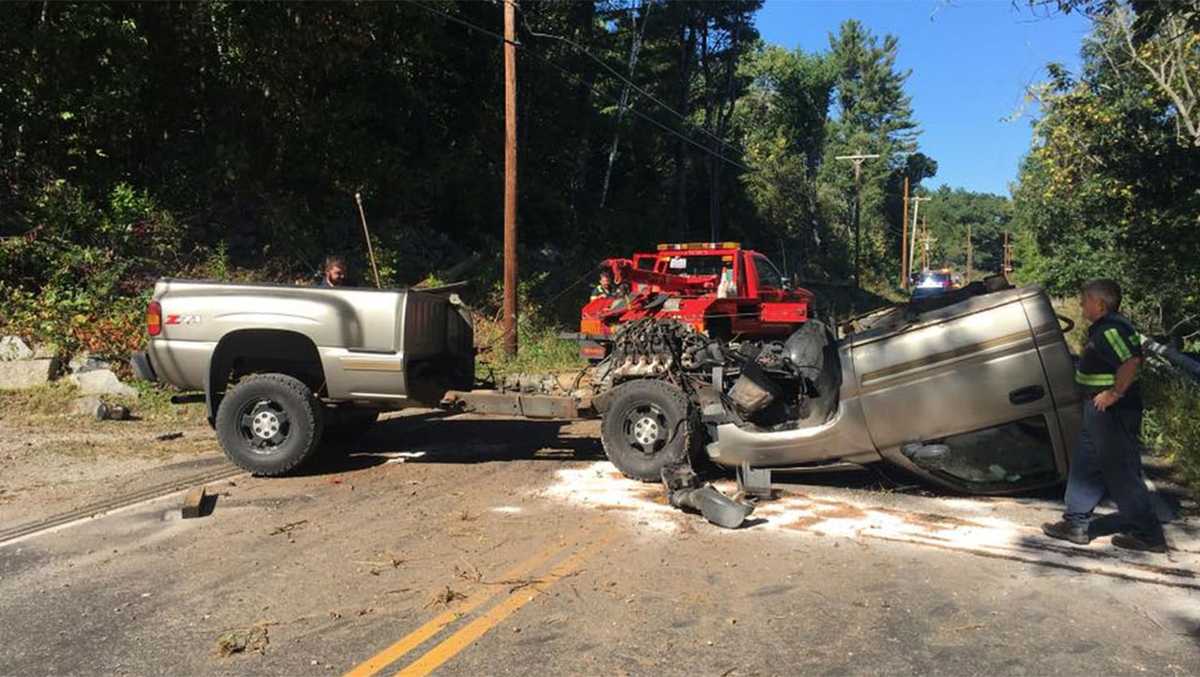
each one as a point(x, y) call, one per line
point(1108, 457)
point(605, 288)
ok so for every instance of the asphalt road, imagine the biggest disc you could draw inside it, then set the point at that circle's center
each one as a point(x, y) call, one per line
point(493, 547)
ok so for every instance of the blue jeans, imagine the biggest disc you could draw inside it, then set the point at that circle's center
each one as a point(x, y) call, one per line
point(1109, 459)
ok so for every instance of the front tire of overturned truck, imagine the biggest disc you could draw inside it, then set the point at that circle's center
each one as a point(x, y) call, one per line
point(269, 424)
point(647, 426)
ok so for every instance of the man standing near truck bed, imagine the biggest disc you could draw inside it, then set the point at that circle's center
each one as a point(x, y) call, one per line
point(334, 272)
point(1108, 456)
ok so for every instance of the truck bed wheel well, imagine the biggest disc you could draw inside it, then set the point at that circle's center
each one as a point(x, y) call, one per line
point(260, 351)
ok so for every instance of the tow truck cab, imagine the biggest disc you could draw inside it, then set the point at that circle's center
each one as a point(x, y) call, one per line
point(719, 288)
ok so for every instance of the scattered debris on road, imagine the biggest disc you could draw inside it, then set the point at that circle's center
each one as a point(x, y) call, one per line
point(113, 412)
point(287, 528)
point(687, 492)
point(445, 597)
point(232, 642)
point(167, 437)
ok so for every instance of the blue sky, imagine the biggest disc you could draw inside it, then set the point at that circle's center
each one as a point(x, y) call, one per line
point(971, 62)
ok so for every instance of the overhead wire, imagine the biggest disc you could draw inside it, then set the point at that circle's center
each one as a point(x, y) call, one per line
point(616, 74)
point(592, 87)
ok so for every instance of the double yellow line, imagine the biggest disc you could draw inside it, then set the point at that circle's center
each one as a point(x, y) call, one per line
point(468, 634)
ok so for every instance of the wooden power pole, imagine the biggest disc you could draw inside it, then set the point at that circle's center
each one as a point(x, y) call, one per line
point(857, 159)
point(912, 243)
point(967, 278)
point(510, 177)
point(926, 241)
point(904, 240)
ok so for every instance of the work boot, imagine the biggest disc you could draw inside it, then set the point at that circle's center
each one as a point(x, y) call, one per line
point(1135, 542)
point(1067, 531)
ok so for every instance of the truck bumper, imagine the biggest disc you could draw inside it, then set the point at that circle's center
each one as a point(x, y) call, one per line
point(142, 368)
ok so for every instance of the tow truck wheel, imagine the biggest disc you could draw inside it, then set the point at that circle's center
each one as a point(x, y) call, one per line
point(647, 426)
point(269, 424)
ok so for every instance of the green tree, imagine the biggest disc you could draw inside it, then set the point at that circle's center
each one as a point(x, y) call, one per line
point(871, 114)
point(951, 212)
point(1111, 188)
point(781, 121)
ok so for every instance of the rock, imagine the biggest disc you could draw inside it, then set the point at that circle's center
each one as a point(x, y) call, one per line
point(88, 405)
point(101, 382)
point(12, 348)
point(27, 373)
point(45, 351)
point(82, 364)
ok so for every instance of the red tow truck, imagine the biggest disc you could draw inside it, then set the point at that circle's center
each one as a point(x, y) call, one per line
point(716, 287)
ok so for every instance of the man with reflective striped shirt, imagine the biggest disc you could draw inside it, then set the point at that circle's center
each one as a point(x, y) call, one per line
point(1108, 455)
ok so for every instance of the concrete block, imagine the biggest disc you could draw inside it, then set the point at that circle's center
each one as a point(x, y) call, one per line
point(86, 405)
point(27, 373)
point(12, 349)
point(101, 382)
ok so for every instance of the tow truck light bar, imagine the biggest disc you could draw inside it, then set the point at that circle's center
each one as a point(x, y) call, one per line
point(699, 245)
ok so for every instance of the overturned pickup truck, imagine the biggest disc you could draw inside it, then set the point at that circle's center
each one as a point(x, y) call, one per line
point(972, 390)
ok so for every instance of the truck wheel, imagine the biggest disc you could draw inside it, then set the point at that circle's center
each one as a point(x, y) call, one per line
point(647, 426)
point(269, 424)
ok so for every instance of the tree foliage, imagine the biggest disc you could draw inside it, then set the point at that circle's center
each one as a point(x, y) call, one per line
point(242, 131)
point(1111, 188)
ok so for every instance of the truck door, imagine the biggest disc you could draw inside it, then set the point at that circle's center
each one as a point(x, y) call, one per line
point(960, 394)
point(775, 308)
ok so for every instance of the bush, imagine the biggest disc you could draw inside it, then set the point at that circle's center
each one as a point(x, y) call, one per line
point(80, 277)
point(1173, 421)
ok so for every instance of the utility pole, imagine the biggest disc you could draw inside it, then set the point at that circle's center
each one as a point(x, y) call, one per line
point(904, 240)
point(857, 159)
point(510, 177)
point(967, 279)
point(912, 245)
point(926, 241)
point(1006, 266)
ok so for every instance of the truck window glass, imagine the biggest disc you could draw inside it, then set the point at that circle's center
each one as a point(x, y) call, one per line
point(768, 275)
point(696, 265)
point(1013, 454)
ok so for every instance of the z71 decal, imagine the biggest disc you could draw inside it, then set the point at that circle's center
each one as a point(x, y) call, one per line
point(183, 319)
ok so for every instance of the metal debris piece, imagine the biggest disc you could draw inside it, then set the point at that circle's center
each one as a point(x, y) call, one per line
point(687, 492)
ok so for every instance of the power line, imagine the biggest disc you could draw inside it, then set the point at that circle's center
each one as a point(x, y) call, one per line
point(577, 80)
point(612, 71)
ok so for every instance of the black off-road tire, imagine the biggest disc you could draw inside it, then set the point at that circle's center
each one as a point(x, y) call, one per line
point(292, 406)
point(624, 428)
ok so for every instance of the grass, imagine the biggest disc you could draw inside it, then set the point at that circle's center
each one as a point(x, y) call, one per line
point(56, 401)
point(1172, 426)
point(539, 350)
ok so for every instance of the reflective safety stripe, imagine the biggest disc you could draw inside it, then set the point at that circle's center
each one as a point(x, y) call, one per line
point(1118, 344)
point(1095, 379)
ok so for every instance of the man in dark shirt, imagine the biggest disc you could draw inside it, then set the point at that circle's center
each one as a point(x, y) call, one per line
point(1108, 456)
point(334, 272)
